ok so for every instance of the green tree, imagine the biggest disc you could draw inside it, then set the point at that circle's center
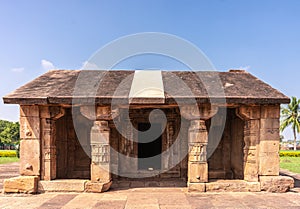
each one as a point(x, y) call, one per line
point(9, 132)
point(291, 117)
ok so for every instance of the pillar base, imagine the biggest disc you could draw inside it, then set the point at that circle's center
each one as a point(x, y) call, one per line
point(97, 187)
point(276, 183)
point(196, 187)
point(21, 184)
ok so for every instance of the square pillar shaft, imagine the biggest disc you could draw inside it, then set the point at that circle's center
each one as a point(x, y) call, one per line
point(197, 164)
point(269, 141)
point(100, 151)
point(30, 140)
point(48, 117)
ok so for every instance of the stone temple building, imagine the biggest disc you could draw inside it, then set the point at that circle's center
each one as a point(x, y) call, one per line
point(85, 131)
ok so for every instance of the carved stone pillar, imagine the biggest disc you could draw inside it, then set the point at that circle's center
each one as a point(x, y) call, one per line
point(269, 141)
point(197, 141)
point(251, 117)
point(48, 116)
point(100, 152)
point(30, 140)
point(100, 146)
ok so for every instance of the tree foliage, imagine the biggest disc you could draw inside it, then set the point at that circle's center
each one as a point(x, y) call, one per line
point(291, 117)
point(9, 132)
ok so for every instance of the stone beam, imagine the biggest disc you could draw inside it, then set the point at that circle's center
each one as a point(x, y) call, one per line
point(195, 112)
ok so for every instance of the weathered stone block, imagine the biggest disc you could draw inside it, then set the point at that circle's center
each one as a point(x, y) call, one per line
point(29, 127)
point(276, 183)
point(232, 186)
point(63, 185)
point(30, 157)
point(270, 111)
point(21, 184)
point(269, 134)
point(97, 187)
point(269, 123)
point(100, 173)
point(251, 171)
point(269, 146)
point(196, 187)
point(269, 163)
point(198, 172)
point(29, 111)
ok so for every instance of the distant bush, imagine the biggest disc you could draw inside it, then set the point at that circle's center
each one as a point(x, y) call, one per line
point(8, 153)
point(290, 153)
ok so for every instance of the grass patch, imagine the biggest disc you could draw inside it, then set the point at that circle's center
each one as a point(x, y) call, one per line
point(290, 163)
point(4, 160)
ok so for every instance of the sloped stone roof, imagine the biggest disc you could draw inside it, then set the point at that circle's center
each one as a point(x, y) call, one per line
point(62, 86)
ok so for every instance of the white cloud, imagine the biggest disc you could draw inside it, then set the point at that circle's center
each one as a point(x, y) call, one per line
point(89, 66)
point(47, 65)
point(17, 69)
point(247, 67)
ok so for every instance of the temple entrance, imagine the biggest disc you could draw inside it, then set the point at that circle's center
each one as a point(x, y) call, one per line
point(72, 161)
point(149, 149)
point(227, 160)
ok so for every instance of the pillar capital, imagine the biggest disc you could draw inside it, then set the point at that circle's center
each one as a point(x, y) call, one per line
point(248, 112)
point(196, 112)
point(99, 112)
point(52, 112)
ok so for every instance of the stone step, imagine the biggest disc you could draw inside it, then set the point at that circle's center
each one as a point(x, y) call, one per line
point(141, 184)
point(62, 185)
point(232, 186)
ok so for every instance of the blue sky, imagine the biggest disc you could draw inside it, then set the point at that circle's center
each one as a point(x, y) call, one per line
point(261, 36)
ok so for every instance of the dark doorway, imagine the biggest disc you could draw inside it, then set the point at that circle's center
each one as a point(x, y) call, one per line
point(71, 159)
point(149, 149)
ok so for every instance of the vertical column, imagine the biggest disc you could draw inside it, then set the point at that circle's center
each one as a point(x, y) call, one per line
point(100, 151)
point(198, 140)
point(49, 148)
point(251, 138)
point(269, 141)
point(251, 117)
point(197, 164)
point(48, 115)
point(269, 152)
point(30, 140)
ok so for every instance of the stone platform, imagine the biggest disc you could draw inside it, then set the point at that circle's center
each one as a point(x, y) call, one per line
point(156, 198)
